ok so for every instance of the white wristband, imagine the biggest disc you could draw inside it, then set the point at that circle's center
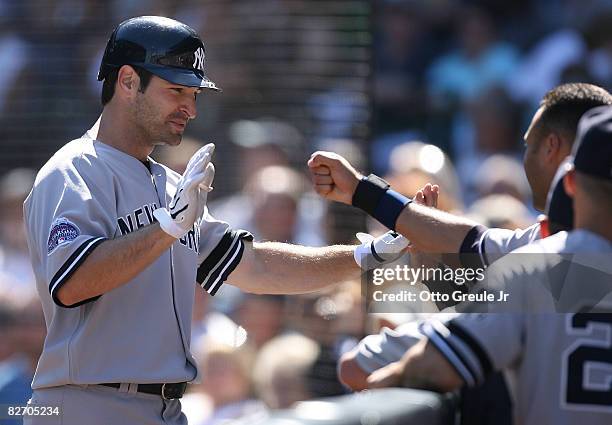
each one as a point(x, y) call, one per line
point(167, 224)
point(376, 251)
point(362, 253)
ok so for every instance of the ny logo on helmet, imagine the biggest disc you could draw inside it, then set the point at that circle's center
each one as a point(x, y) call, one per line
point(198, 63)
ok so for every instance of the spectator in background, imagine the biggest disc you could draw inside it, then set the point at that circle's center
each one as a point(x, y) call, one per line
point(23, 332)
point(502, 174)
point(401, 54)
point(16, 277)
point(479, 62)
point(579, 49)
point(282, 368)
point(14, 51)
point(543, 63)
point(460, 77)
point(234, 317)
point(271, 204)
point(226, 385)
point(489, 125)
point(335, 320)
point(122, 10)
point(496, 123)
point(261, 316)
point(500, 211)
point(274, 193)
point(263, 143)
point(414, 164)
point(599, 39)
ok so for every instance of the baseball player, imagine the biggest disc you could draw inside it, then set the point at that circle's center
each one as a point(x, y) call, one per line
point(548, 141)
point(376, 351)
point(117, 242)
point(487, 403)
point(560, 363)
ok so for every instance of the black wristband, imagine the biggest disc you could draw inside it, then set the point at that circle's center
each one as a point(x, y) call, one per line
point(374, 196)
point(369, 192)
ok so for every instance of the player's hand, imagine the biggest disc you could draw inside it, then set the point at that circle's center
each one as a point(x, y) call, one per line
point(422, 366)
point(186, 206)
point(376, 251)
point(206, 186)
point(333, 177)
point(428, 195)
point(204, 189)
point(388, 376)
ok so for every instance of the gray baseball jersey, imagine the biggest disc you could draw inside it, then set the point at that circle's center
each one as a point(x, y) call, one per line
point(389, 345)
point(89, 192)
point(488, 245)
point(560, 364)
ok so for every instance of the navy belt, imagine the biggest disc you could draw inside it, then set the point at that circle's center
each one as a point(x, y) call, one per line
point(166, 391)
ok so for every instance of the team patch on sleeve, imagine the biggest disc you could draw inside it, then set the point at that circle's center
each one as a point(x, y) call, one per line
point(62, 232)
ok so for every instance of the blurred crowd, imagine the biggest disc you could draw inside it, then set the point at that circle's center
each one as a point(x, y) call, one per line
point(452, 87)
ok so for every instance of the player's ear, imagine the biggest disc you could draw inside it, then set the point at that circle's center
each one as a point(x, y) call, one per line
point(128, 81)
point(569, 182)
point(552, 145)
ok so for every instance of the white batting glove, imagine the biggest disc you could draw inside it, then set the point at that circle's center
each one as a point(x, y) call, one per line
point(185, 208)
point(204, 188)
point(206, 185)
point(376, 251)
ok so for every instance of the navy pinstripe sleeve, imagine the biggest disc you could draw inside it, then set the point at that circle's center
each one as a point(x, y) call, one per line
point(483, 246)
point(69, 267)
point(222, 260)
point(476, 345)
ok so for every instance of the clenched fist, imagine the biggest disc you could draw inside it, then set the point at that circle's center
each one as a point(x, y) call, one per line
point(333, 176)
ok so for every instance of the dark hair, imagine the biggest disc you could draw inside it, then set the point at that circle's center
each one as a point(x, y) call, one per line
point(564, 105)
point(108, 87)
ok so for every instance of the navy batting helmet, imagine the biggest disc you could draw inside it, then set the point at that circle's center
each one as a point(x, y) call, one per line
point(165, 47)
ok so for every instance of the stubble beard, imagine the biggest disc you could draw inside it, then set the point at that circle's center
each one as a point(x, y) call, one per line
point(154, 129)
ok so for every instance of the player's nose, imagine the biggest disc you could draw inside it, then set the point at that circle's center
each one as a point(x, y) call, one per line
point(189, 108)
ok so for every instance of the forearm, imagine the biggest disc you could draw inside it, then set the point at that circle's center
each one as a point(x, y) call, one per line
point(279, 268)
point(429, 229)
point(432, 230)
point(425, 368)
point(422, 367)
point(114, 263)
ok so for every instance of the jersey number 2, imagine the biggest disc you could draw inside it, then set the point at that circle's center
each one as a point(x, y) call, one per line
point(588, 354)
